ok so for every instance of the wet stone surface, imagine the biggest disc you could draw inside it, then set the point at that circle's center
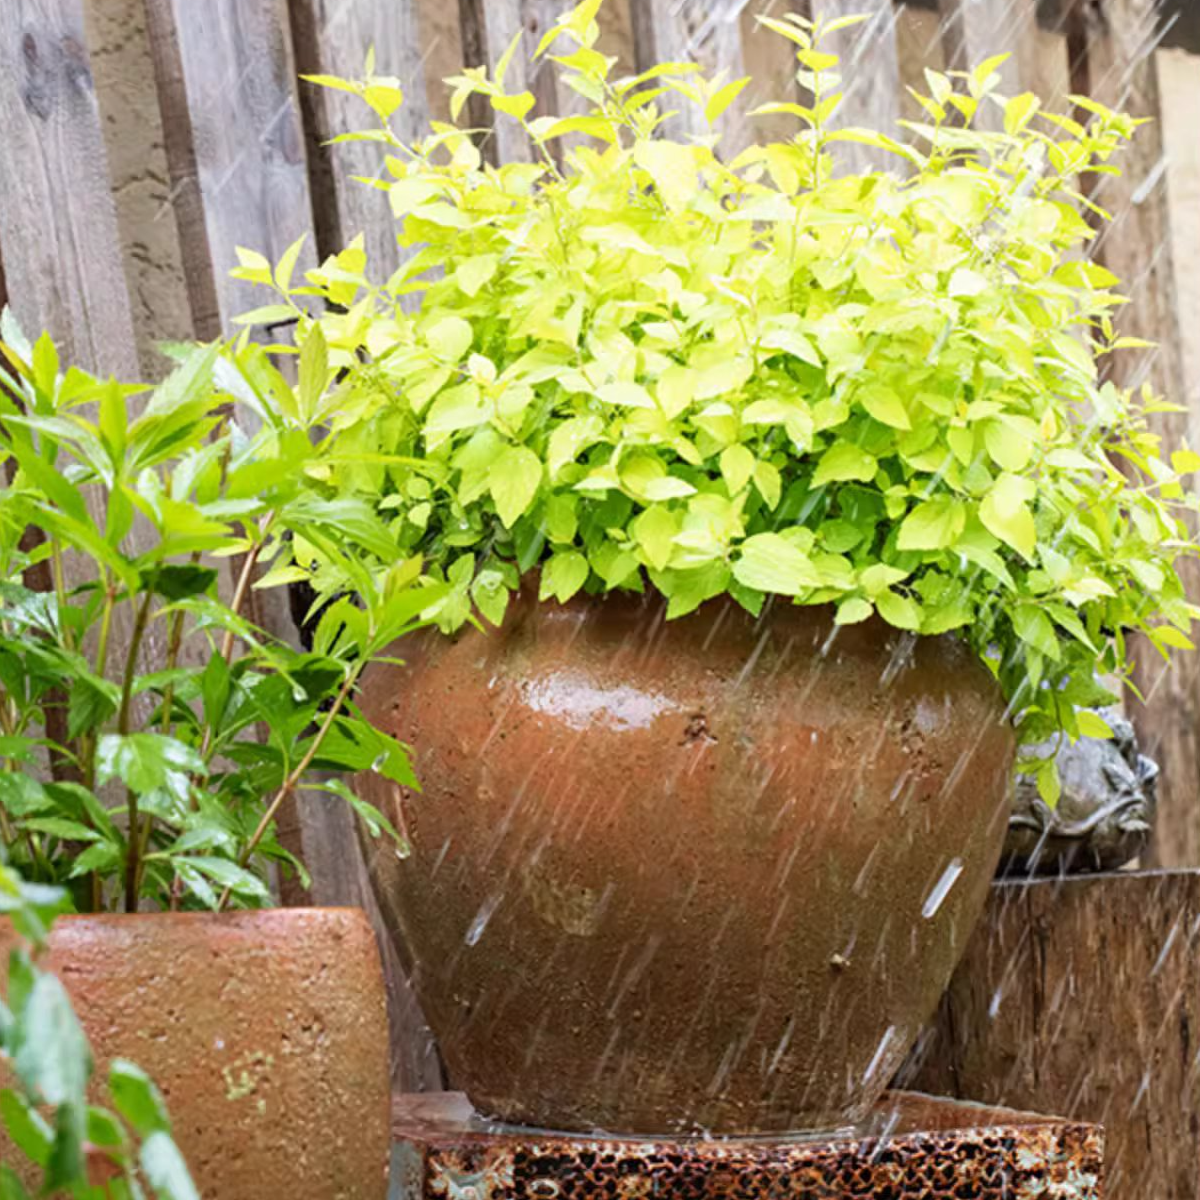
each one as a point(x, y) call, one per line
point(912, 1148)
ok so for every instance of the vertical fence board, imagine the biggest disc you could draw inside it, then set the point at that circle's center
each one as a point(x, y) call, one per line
point(58, 227)
point(870, 70)
point(704, 31)
point(488, 27)
point(62, 265)
point(769, 60)
point(542, 76)
point(1121, 71)
point(227, 88)
point(332, 37)
point(973, 30)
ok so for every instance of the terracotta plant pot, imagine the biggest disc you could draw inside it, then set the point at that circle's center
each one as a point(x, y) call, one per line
point(710, 873)
point(266, 1031)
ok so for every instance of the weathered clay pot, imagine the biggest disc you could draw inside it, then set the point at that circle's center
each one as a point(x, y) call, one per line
point(266, 1031)
point(709, 873)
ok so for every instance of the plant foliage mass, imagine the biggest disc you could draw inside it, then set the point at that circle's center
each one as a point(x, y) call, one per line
point(634, 364)
point(150, 730)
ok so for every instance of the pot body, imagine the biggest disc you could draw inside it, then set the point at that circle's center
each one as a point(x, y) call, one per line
point(266, 1032)
point(706, 874)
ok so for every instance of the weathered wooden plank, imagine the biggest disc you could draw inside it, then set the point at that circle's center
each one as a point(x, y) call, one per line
point(870, 70)
point(488, 27)
point(62, 251)
point(227, 87)
point(974, 30)
point(1121, 71)
point(333, 37)
point(62, 263)
point(769, 61)
point(1081, 997)
point(704, 31)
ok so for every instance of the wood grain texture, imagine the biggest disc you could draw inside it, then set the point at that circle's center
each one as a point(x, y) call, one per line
point(704, 31)
point(227, 88)
point(973, 30)
point(61, 249)
point(487, 28)
point(332, 37)
point(1082, 998)
point(58, 228)
point(1121, 71)
point(870, 70)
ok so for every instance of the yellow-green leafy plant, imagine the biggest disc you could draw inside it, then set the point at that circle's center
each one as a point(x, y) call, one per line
point(637, 364)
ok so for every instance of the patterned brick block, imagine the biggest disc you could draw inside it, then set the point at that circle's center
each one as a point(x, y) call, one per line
point(913, 1148)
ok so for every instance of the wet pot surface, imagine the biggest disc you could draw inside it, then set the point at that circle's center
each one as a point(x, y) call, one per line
point(705, 874)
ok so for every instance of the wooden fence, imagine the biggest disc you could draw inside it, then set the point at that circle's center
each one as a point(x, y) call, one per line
point(245, 148)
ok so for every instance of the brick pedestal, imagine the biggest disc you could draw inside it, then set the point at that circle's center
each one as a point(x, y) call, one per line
point(913, 1148)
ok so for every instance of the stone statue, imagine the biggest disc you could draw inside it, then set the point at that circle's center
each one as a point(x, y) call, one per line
point(1103, 818)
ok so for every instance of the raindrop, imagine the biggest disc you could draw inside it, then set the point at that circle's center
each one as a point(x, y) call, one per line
point(994, 1006)
point(942, 888)
point(482, 917)
point(880, 1051)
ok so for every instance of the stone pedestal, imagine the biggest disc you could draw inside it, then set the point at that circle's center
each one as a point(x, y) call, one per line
point(913, 1148)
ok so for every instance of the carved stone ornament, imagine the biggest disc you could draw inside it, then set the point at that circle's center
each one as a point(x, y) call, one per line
point(1104, 816)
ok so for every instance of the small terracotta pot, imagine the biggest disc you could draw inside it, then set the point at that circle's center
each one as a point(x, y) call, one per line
point(266, 1031)
point(709, 874)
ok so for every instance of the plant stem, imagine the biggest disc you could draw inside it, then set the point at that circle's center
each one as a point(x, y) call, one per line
point(87, 743)
point(243, 585)
point(295, 775)
point(110, 600)
point(239, 598)
point(174, 642)
point(132, 859)
point(60, 586)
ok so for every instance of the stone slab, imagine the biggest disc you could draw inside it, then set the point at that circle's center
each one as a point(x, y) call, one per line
point(914, 1147)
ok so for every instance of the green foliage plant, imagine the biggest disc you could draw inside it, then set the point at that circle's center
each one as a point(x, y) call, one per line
point(150, 731)
point(72, 1147)
point(637, 364)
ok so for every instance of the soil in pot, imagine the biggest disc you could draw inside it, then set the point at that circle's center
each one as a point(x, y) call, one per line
point(266, 1031)
point(706, 874)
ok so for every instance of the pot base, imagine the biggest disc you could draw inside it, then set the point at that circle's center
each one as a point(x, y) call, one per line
point(912, 1147)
